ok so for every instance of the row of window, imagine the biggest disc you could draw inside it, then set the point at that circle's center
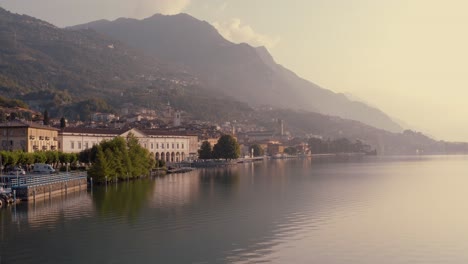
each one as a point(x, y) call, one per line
point(11, 143)
point(167, 145)
point(86, 145)
point(21, 132)
point(6, 143)
point(36, 147)
point(42, 138)
point(79, 145)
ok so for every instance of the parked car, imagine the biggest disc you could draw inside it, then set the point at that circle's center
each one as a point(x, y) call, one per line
point(18, 171)
point(43, 168)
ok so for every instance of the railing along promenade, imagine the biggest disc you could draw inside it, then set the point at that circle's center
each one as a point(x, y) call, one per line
point(33, 186)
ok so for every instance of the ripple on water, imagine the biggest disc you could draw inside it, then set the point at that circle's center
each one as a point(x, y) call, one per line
point(382, 211)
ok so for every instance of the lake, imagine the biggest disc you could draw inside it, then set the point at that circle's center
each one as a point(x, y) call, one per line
point(343, 210)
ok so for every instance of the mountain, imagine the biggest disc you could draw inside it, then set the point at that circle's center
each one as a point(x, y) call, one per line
point(239, 70)
point(75, 72)
point(39, 60)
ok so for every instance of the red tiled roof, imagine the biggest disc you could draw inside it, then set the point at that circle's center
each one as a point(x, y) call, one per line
point(87, 130)
point(116, 132)
point(158, 132)
point(19, 124)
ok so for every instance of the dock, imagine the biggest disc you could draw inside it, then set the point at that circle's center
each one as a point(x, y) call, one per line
point(36, 186)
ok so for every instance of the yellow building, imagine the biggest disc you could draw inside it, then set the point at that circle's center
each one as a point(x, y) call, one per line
point(27, 136)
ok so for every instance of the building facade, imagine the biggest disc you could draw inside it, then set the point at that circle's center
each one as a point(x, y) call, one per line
point(75, 140)
point(170, 147)
point(27, 137)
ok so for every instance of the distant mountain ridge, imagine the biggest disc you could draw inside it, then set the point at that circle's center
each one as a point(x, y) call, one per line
point(77, 72)
point(37, 56)
point(239, 70)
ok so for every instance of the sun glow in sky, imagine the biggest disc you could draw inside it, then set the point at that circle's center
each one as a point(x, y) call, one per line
point(408, 58)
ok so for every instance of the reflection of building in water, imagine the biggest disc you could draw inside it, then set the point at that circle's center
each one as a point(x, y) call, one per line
point(175, 190)
point(46, 213)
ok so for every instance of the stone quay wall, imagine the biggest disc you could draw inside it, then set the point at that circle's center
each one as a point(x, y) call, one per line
point(28, 193)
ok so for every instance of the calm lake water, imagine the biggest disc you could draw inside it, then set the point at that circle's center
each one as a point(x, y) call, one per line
point(362, 210)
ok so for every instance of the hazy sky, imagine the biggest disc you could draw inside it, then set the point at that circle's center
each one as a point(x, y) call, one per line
point(408, 57)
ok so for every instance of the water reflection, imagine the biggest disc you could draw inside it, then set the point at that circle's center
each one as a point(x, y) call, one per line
point(224, 181)
point(220, 176)
point(238, 214)
point(47, 212)
point(175, 190)
point(374, 210)
point(126, 199)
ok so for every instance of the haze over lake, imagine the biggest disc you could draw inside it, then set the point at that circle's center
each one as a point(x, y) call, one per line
point(215, 131)
point(359, 210)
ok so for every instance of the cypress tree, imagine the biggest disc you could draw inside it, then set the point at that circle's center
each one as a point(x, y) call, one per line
point(63, 122)
point(46, 118)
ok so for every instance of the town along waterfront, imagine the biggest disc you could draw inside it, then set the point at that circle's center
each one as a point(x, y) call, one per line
point(358, 210)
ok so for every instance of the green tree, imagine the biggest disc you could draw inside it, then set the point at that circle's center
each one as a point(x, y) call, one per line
point(227, 148)
point(123, 158)
point(22, 157)
point(40, 157)
point(64, 158)
point(63, 122)
point(206, 151)
point(120, 146)
point(290, 151)
point(46, 118)
point(73, 158)
point(140, 157)
point(257, 150)
point(28, 158)
point(53, 157)
point(113, 162)
point(100, 169)
point(4, 157)
point(10, 158)
point(85, 156)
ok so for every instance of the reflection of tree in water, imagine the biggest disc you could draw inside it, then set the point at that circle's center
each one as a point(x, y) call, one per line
point(125, 199)
point(226, 178)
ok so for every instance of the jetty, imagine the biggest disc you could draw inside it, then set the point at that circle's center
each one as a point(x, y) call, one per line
point(36, 186)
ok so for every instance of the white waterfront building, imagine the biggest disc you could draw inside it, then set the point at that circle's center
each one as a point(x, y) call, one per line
point(168, 146)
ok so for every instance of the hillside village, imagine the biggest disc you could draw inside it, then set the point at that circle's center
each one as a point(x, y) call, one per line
point(104, 85)
point(165, 134)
